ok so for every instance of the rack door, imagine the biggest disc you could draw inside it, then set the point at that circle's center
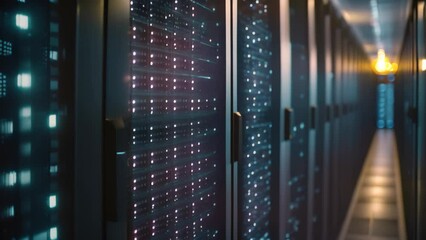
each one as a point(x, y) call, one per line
point(178, 119)
point(257, 95)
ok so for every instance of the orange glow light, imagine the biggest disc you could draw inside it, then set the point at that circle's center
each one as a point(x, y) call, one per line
point(382, 65)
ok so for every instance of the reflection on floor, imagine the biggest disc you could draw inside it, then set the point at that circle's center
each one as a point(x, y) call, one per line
point(376, 209)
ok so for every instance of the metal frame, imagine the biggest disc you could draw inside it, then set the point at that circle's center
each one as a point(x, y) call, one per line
point(285, 146)
point(230, 214)
point(313, 100)
point(233, 103)
point(88, 218)
point(116, 104)
point(280, 99)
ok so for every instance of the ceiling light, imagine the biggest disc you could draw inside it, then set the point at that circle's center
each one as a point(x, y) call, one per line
point(382, 65)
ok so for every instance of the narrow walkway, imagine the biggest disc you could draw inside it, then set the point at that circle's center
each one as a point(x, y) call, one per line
point(376, 211)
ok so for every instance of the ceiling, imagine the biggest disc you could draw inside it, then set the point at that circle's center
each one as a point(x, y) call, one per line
point(379, 24)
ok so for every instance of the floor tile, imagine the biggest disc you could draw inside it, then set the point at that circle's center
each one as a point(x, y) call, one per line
point(378, 192)
point(359, 226)
point(380, 171)
point(384, 228)
point(376, 211)
point(383, 181)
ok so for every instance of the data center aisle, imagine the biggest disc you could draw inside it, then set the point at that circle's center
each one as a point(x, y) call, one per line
point(376, 211)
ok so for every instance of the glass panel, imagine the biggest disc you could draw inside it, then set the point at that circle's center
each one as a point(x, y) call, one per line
point(255, 76)
point(178, 118)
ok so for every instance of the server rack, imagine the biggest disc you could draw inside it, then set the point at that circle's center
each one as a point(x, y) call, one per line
point(327, 88)
point(385, 102)
point(421, 157)
point(257, 94)
point(314, 164)
point(349, 95)
point(298, 182)
point(408, 97)
point(178, 99)
point(36, 118)
point(405, 124)
point(336, 38)
point(410, 122)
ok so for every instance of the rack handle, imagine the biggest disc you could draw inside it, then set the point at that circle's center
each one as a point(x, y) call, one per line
point(288, 123)
point(237, 136)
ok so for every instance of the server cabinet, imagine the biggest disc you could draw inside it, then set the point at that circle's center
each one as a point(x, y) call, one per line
point(326, 146)
point(257, 98)
point(322, 35)
point(385, 96)
point(334, 126)
point(298, 182)
point(36, 119)
point(421, 157)
point(345, 175)
point(405, 124)
point(410, 120)
point(347, 164)
point(178, 122)
point(349, 98)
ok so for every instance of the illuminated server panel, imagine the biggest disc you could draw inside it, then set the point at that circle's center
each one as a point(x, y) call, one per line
point(385, 101)
point(254, 103)
point(28, 137)
point(178, 119)
point(298, 182)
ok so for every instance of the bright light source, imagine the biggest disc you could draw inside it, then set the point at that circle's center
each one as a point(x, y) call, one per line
point(10, 179)
point(25, 119)
point(24, 80)
point(25, 177)
point(52, 120)
point(53, 169)
point(53, 233)
point(25, 112)
point(53, 55)
point(423, 64)
point(52, 201)
point(382, 65)
point(22, 21)
point(10, 211)
point(6, 127)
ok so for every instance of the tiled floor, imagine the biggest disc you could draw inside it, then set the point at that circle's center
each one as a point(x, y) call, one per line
point(376, 208)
